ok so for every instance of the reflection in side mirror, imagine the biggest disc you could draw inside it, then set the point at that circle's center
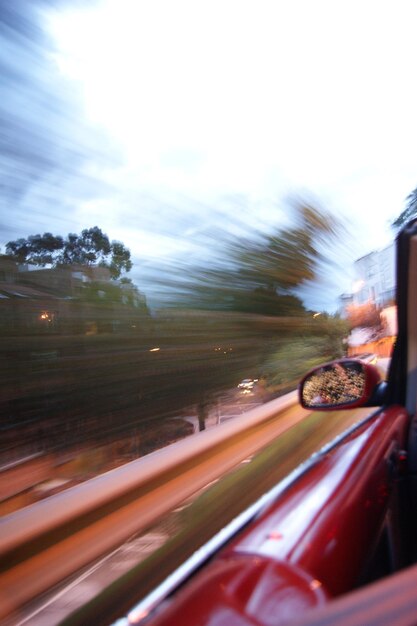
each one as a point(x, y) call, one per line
point(338, 384)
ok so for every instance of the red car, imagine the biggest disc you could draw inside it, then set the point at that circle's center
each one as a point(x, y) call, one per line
point(335, 542)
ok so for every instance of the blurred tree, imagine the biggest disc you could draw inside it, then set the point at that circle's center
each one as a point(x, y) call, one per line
point(363, 315)
point(36, 249)
point(241, 319)
point(281, 262)
point(120, 259)
point(91, 247)
point(260, 274)
point(231, 317)
point(409, 212)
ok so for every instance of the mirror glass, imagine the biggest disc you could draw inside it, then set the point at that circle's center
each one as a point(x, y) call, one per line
point(336, 384)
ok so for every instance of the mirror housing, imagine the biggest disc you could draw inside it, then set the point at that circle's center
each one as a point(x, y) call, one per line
point(341, 384)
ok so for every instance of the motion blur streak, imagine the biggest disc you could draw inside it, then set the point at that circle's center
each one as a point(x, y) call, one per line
point(87, 365)
point(214, 509)
point(96, 369)
point(69, 530)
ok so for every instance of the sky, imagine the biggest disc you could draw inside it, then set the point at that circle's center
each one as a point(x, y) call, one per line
point(164, 121)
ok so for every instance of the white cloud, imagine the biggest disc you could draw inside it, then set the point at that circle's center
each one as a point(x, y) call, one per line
point(209, 99)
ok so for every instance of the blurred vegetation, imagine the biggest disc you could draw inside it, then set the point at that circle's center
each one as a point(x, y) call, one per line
point(285, 366)
point(260, 273)
point(91, 247)
point(85, 363)
point(252, 287)
point(408, 213)
point(366, 315)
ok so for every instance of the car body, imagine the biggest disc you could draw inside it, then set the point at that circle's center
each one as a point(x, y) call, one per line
point(335, 542)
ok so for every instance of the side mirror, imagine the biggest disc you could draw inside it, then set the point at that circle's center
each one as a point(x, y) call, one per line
point(343, 384)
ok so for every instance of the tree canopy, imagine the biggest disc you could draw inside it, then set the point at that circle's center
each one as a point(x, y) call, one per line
point(409, 212)
point(261, 274)
point(363, 315)
point(91, 247)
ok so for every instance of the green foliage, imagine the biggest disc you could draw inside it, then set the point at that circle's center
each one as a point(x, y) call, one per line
point(281, 262)
point(260, 274)
point(36, 249)
point(408, 213)
point(108, 366)
point(226, 318)
point(292, 355)
point(334, 330)
point(120, 259)
point(293, 358)
point(91, 247)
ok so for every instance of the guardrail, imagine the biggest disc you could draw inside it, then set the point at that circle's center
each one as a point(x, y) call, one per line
point(13, 481)
point(46, 542)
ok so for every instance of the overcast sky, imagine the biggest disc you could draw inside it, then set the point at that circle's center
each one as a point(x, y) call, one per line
point(160, 121)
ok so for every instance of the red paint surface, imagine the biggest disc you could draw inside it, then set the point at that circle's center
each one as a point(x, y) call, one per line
point(310, 545)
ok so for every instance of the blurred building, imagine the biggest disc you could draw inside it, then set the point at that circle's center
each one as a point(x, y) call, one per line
point(22, 304)
point(374, 283)
point(370, 307)
point(345, 301)
point(375, 274)
point(64, 281)
point(73, 298)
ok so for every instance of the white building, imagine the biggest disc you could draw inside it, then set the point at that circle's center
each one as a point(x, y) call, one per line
point(375, 277)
